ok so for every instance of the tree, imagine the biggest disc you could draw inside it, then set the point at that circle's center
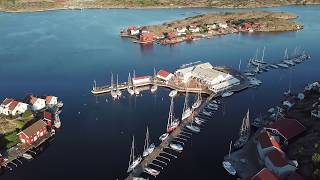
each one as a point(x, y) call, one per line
point(316, 159)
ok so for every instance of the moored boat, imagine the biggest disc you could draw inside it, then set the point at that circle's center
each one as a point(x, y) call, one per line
point(151, 171)
point(164, 136)
point(154, 88)
point(177, 147)
point(228, 166)
point(282, 65)
point(173, 93)
point(227, 94)
point(193, 128)
point(133, 162)
point(148, 148)
point(27, 156)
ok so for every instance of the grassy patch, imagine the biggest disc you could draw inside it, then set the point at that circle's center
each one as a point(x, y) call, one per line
point(9, 140)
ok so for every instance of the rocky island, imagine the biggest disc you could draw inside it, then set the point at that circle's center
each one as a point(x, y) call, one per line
point(212, 24)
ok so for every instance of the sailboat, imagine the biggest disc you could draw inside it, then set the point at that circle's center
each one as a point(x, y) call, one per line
point(186, 109)
point(130, 90)
point(133, 162)
point(119, 93)
point(136, 91)
point(113, 91)
point(244, 132)
point(148, 148)
point(154, 87)
point(197, 103)
point(286, 58)
point(172, 121)
point(227, 165)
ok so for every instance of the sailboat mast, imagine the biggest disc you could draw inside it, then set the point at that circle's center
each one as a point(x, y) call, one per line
point(230, 146)
point(185, 106)
point(264, 48)
point(117, 82)
point(146, 141)
point(129, 80)
point(112, 80)
point(170, 114)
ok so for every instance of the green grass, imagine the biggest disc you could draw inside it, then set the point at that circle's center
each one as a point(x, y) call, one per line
point(9, 140)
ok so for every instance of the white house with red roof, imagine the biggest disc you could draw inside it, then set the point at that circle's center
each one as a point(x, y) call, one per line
point(287, 129)
point(36, 103)
point(265, 174)
point(51, 101)
point(164, 75)
point(277, 162)
point(141, 80)
point(12, 107)
point(266, 143)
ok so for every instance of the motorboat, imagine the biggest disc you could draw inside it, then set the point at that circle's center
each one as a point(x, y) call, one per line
point(227, 94)
point(164, 136)
point(27, 156)
point(211, 108)
point(130, 91)
point(177, 147)
point(57, 122)
point(193, 128)
point(136, 92)
point(206, 113)
point(173, 93)
point(134, 161)
point(198, 121)
point(114, 94)
point(213, 105)
point(154, 88)
point(151, 171)
point(228, 166)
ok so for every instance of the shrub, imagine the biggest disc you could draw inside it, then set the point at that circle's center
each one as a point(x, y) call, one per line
point(316, 158)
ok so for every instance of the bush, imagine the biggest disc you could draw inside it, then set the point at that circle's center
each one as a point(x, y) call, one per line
point(27, 113)
point(316, 158)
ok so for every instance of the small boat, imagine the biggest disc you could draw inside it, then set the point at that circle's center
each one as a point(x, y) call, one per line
point(114, 94)
point(227, 165)
point(148, 148)
point(287, 93)
point(227, 94)
point(164, 136)
point(282, 65)
point(151, 171)
point(211, 108)
point(198, 121)
point(154, 88)
point(173, 93)
point(133, 162)
point(60, 104)
point(57, 122)
point(193, 128)
point(213, 105)
point(274, 66)
point(27, 156)
point(207, 113)
point(177, 147)
point(130, 91)
point(138, 178)
point(136, 91)
point(248, 74)
point(271, 110)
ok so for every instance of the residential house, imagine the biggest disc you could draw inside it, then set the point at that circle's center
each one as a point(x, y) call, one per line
point(36, 103)
point(171, 36)
point(132, 30)
point(51, 101)
point(277, 162)
point(181, 31)
point(212, 26)
point(12, 107)
point(223, 25)
point(164, 75)
point(266, 143)
point(194, 29)
point(32, 133)
point(146, 36)
point(265, 174)
point(286, 129)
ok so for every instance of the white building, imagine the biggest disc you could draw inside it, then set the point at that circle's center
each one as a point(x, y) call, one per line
point(194, 29)
point(142, 80)
point(181, 31)
point(12, 107)
point(223, 25)
point(216, 80)
point(51, 101)
point(134, 32)
point(37, 103)
point(277, 162)
point(212, 26)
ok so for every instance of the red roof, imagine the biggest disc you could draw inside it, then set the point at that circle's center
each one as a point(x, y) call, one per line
point(47, 116)
point(266, 140)
point(7, 101)
point(141, 77)
point(48, 99)
point(288, 128)
point(163, 73)
point(277, 158)
point(132, 28)
point(265, 174)
point(13, 105)
point(295, 176)
point(33, 99)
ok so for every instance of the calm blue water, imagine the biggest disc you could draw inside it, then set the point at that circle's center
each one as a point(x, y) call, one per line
point(62, 52)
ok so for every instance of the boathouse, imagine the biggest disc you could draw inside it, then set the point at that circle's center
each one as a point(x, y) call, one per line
point(265, 174)
point(32, 133)
point(164, 75)
point(277, 162)
point(141, 80)
point(266, 143)
point(51, 101)
point(47, 117)
point(36, 103)
point(286, 129)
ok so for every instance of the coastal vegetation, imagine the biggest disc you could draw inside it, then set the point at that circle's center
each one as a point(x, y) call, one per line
point(39, 5)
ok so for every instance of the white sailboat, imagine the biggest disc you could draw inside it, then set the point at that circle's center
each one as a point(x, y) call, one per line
point(186, 109)
point(227, 165)
point(148, 148)
point(113, 91)
point(172, 121)
point(154, 87)
point(130, 90)
point(151, 171)
point(133, 162)
point(244, 132)
point(197, 103)
point(173, 93)
point(119, 93)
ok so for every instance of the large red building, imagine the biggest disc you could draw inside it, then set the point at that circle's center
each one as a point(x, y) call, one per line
point(33, 132)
